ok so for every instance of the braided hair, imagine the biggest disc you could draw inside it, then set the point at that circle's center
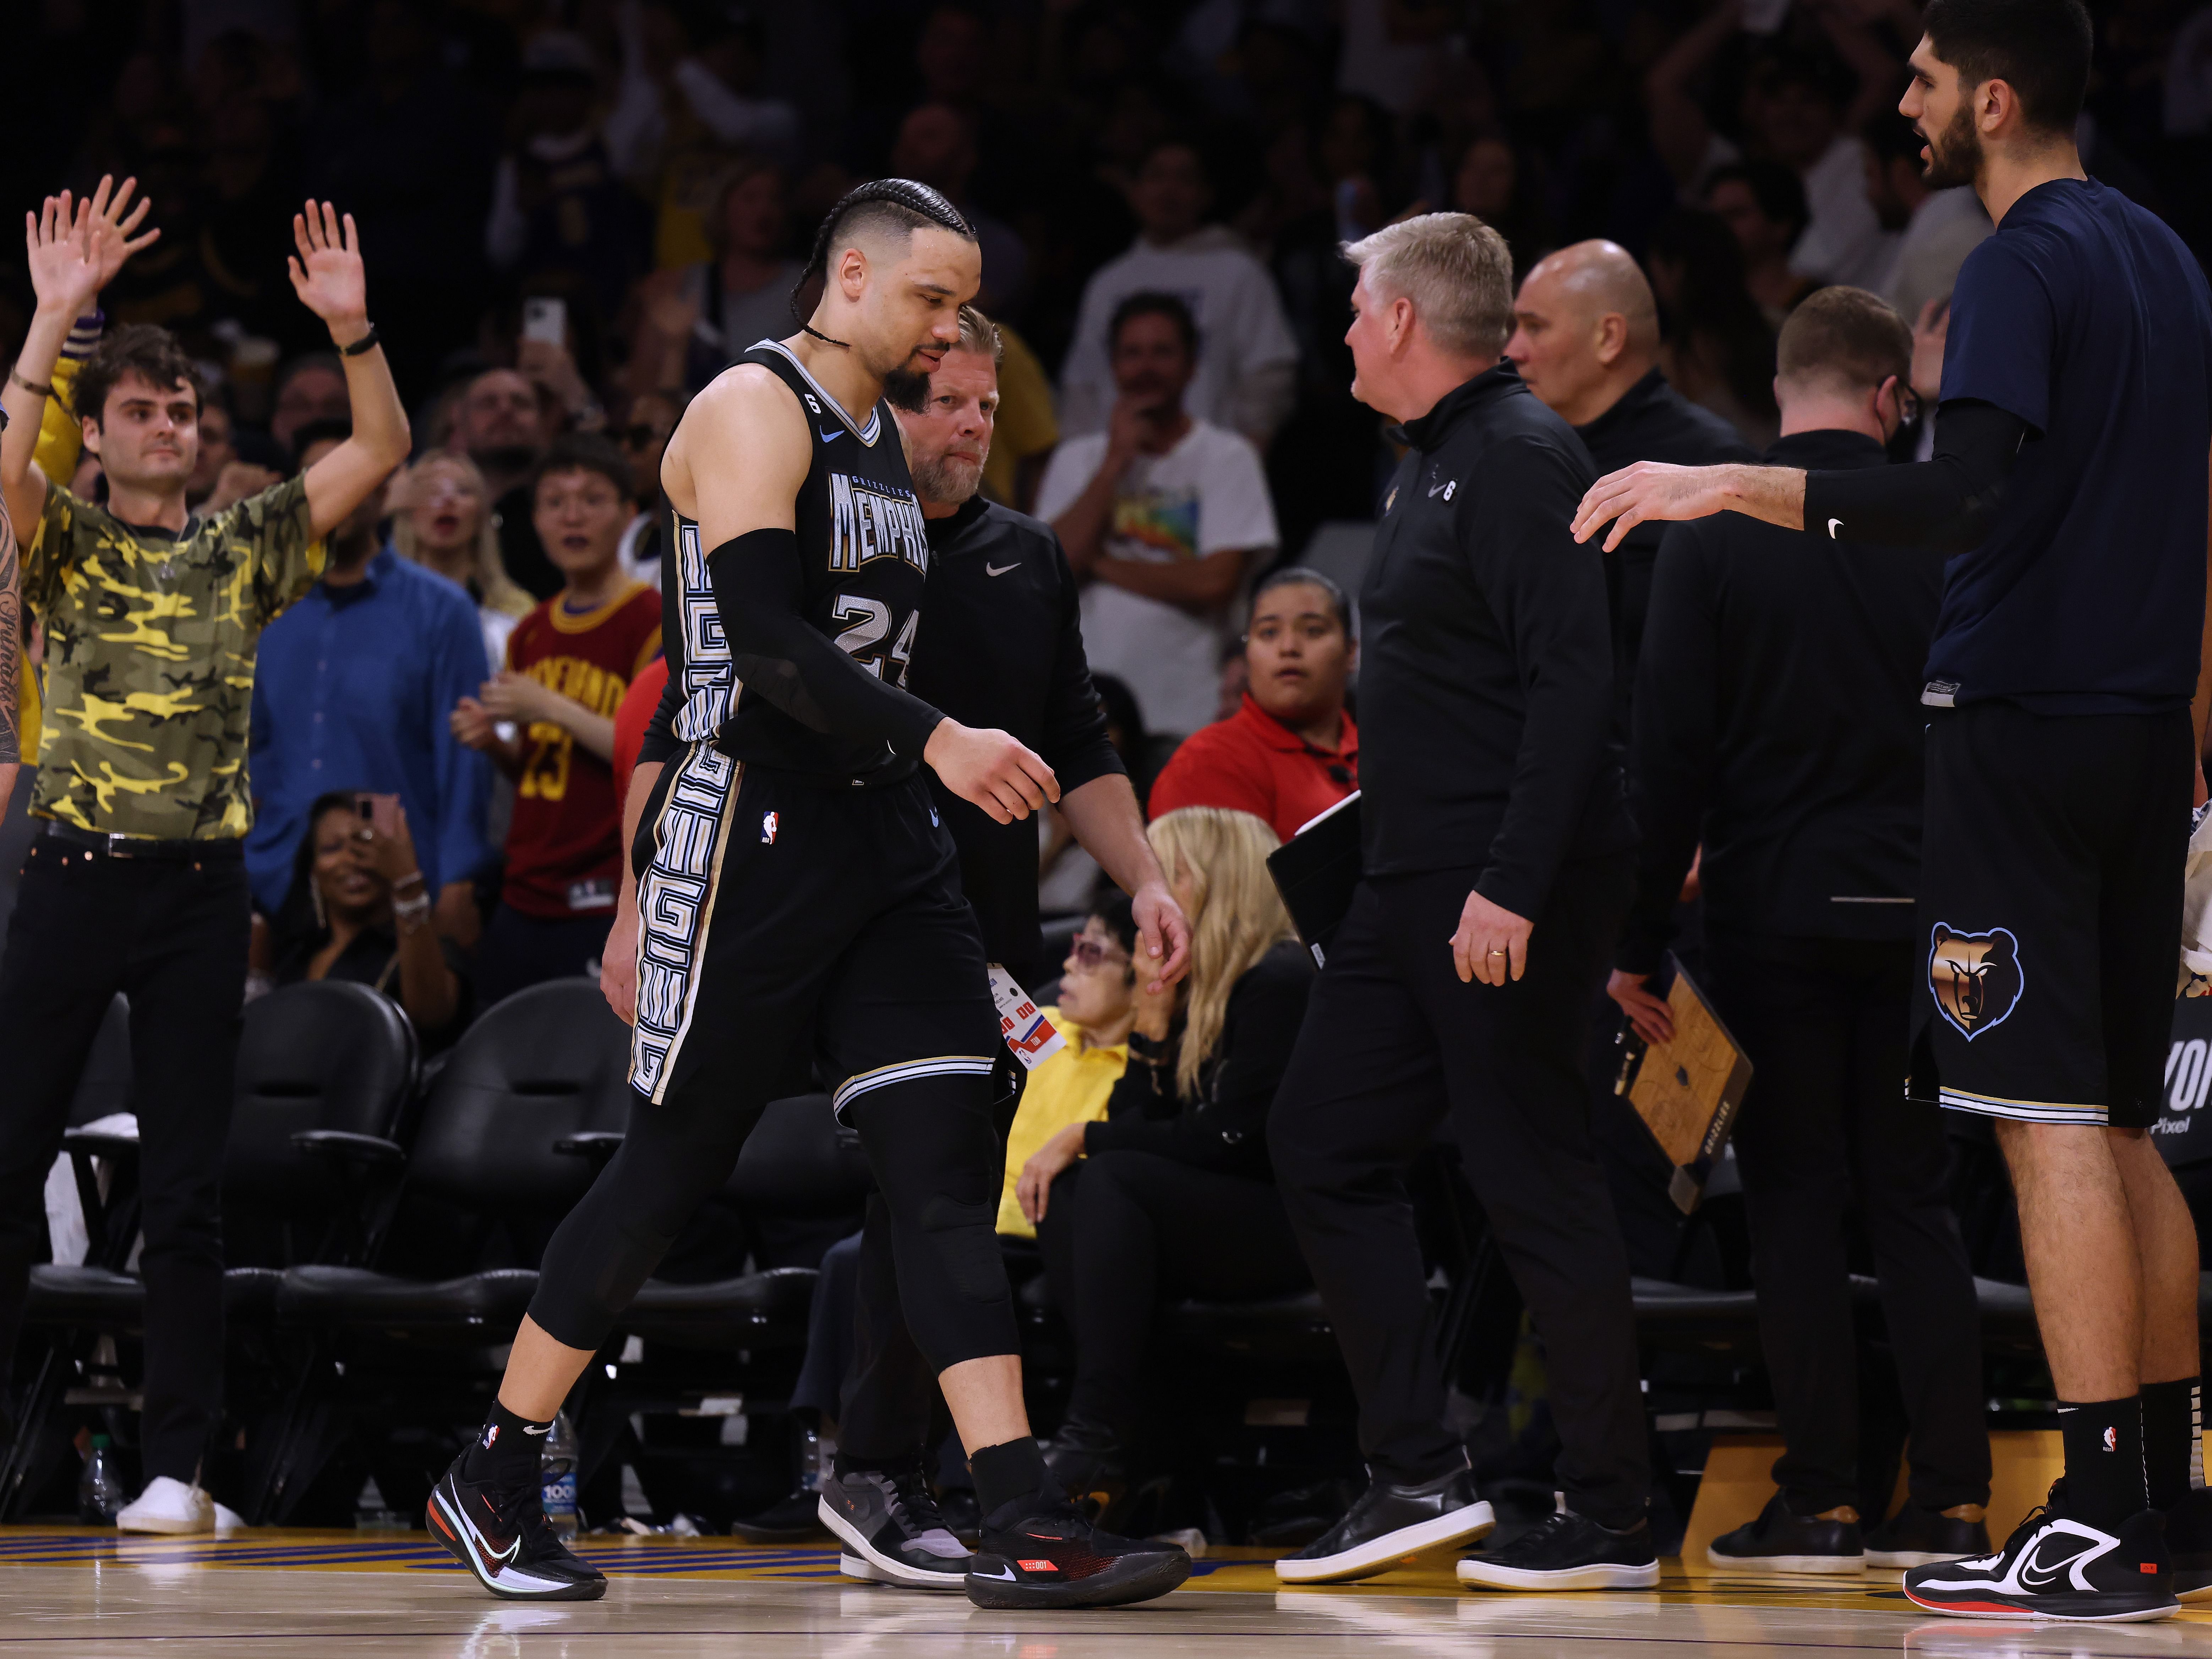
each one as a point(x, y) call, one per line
point(893, 204)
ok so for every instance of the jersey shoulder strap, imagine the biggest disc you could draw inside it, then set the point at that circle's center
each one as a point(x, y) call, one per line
point(823, 409)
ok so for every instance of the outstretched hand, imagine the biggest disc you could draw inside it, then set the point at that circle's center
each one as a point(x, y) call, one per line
point(1646, 491)
point(327, 273)
point(113, 224)
point(57, 247)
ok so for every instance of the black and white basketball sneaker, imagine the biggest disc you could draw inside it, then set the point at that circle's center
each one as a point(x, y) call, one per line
point(1567, 1551)
point(1046, 1554)
point(2055, 1566)
point(2188, 1545)
point(892, 1532)
point(499, 1534)
point(1391, 1521)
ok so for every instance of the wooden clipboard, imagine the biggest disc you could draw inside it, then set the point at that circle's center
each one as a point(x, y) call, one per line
point(1687, 1092)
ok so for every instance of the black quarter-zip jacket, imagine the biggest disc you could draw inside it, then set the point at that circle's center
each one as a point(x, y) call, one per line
point(1001, 644)
point(1486, 685)
point(1651, 421)
point(1779, 721)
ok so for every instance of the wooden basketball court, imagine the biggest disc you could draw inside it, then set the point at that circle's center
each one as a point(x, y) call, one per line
point(68, 1592)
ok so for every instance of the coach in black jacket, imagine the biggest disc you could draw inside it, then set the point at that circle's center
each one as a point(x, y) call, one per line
point(1460, 985)
point(1779, 722)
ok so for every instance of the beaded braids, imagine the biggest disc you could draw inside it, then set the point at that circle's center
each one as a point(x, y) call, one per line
point(894, 202)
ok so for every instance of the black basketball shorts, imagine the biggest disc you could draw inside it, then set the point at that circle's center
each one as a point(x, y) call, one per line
point(773, 910)
point(2050, 913)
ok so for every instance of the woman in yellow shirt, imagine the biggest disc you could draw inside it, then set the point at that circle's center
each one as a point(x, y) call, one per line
point(1098, 1004)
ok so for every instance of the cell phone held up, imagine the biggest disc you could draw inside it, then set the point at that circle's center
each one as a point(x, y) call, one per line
point(380, 812)
point(545, 318)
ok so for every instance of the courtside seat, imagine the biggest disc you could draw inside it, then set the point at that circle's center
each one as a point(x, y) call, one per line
point(317, 1062)
point(1292, 1330)
point(471, 1305)
point(548, 1064)
point(1674, 1315)
point(62, 1294)
point(754, 1312)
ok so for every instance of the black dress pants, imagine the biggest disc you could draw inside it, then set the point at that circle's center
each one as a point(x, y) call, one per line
point(1393, 1046)
point(170, 934)
point(1150, 1229)
point(1826, 1128)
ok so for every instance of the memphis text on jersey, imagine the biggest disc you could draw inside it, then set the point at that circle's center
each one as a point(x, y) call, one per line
point(869, 521)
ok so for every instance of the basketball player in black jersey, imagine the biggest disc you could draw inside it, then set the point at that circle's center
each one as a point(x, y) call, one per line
point(799, 881)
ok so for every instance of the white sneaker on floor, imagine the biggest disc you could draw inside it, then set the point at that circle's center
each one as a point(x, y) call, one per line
point(227, 1519)
point(168, 1505)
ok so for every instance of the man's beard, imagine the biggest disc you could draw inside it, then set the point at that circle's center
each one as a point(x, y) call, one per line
point(945, 482)
point(907, 390)
point(1954, 155)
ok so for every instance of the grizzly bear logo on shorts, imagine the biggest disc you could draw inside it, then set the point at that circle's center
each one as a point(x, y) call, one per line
point(1976, 977)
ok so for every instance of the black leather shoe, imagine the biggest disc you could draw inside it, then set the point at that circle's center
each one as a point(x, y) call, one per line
point(2189, 1543)
point(793, 1520)
point(1567, 1551)
point(1782, 1540)
point(1915, 1537)
point(1390, 1522)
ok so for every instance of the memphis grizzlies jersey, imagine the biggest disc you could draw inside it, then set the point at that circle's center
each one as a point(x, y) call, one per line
point(864, 556)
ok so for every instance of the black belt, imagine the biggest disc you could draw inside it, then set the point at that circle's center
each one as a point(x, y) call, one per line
point(140, 846)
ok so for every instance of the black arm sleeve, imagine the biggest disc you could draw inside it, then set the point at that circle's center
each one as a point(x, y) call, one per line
point(780, 656)
point(1228, 1128)
point(1675, 738)
point(659, 745)
point(1945, 503)
point(1074, 740)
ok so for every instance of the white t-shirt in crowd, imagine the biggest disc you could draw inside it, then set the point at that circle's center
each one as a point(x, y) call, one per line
point(1232, 299)
point(1844, 241)
point(1206, 495)
point(1943, 230)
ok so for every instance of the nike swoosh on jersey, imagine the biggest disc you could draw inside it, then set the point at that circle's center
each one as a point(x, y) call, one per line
point(1001, 569)
point(832, 436)
point(527, 1429)
point(1834, 525)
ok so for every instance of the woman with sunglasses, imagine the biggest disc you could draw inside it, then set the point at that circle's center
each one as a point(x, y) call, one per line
point(1175, 1197)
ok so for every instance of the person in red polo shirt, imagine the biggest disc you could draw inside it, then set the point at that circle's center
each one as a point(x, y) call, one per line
point(1290, 752)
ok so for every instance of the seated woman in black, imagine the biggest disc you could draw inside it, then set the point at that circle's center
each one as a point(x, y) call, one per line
point(1176, 1197)
point(372, 918)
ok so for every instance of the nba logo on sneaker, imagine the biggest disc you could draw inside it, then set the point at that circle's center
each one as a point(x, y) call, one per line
point(768, 828)
point(2111, 1439)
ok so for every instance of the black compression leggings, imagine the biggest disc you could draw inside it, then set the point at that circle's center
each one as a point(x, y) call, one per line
point(929, 1143)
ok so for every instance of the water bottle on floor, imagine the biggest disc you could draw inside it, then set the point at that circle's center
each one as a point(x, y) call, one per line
point(557, 1463)
point(100, 1494)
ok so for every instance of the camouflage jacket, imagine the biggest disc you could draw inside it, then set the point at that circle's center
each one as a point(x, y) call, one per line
point(150, 641)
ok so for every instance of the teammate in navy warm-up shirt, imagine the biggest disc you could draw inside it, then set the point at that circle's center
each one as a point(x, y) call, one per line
point(2069, 485)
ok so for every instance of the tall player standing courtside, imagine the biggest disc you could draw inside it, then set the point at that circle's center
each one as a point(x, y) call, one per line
point(800, 880)
point(2070, 484)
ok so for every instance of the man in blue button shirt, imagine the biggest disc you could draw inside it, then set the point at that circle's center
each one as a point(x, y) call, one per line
point(2069, 484)
point(351, 692)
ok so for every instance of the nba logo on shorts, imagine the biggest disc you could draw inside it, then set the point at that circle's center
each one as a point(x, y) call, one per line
point(768, 828)
point(2111, 1439)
